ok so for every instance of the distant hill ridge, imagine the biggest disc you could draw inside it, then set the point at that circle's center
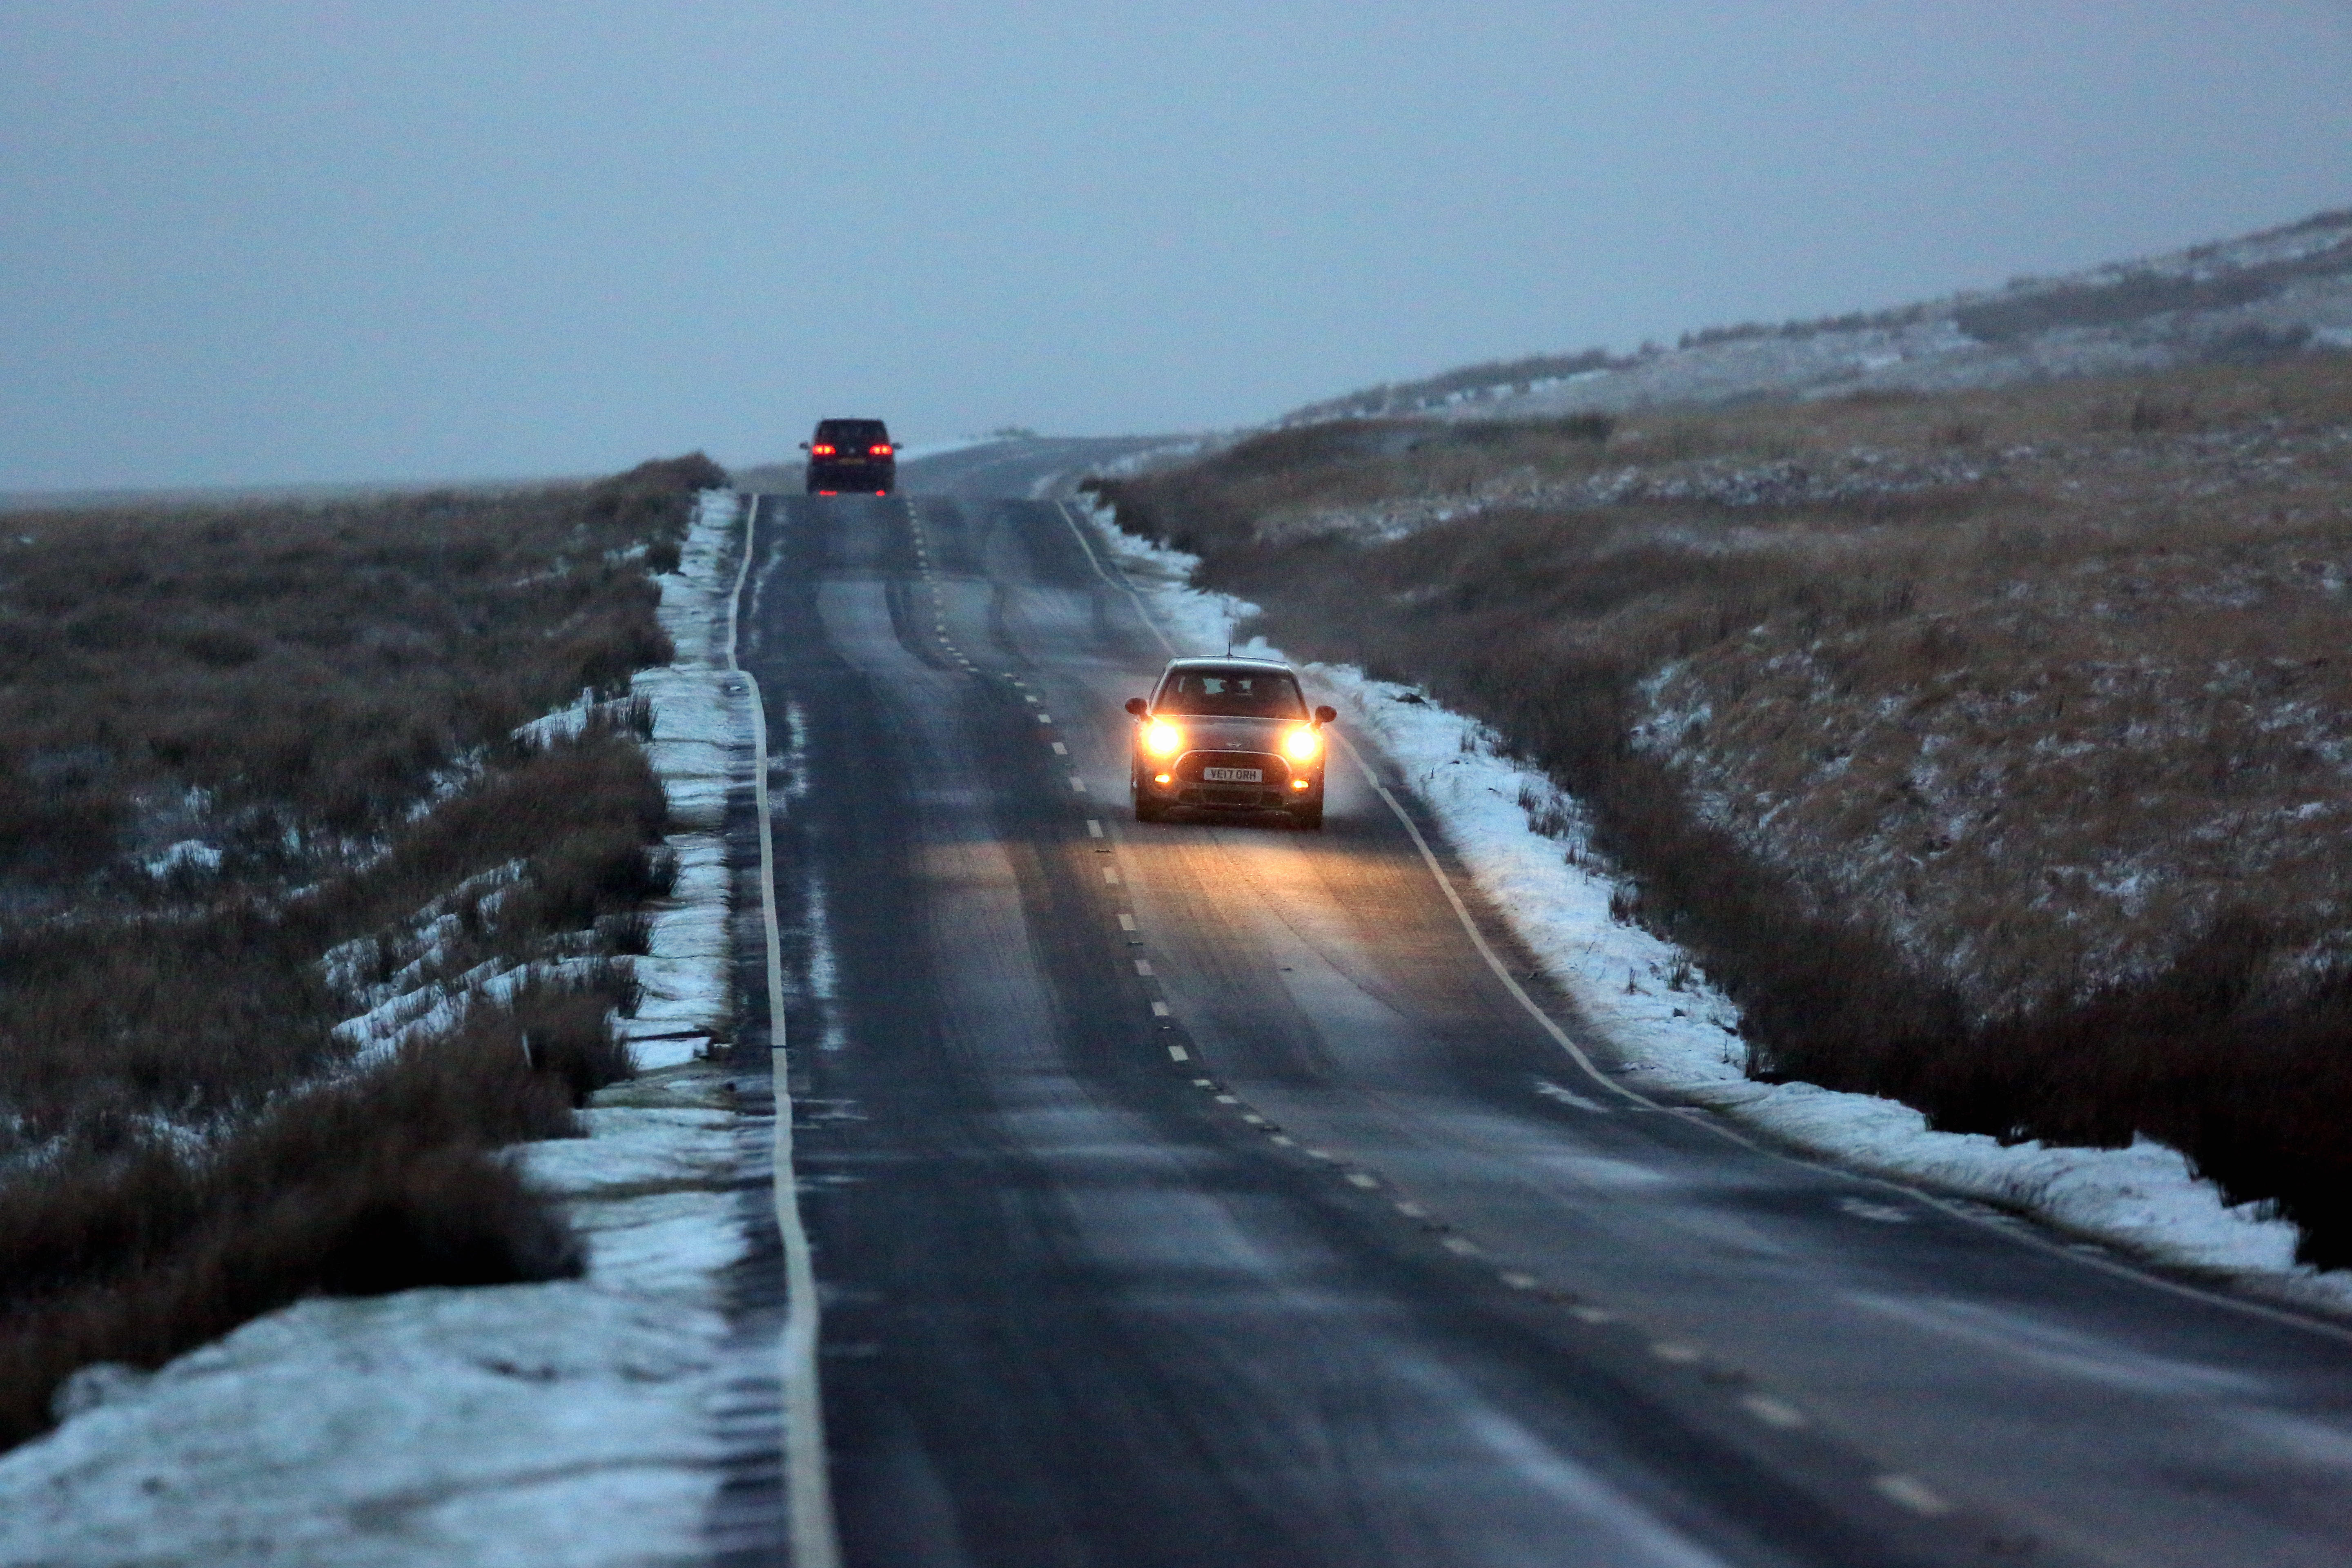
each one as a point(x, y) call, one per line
point(2282, 291)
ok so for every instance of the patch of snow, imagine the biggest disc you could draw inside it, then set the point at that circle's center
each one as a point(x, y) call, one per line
point(425, 938)
point(187, 855)
point(564, 1424)
point(699, 721)
point(698, 725)
point(1666, 1024)
point(686, 999)
point(921, 450)
point(383, 1030)
point(562, 725)
point(701, 746)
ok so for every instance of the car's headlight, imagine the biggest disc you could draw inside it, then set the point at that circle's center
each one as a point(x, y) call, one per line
point(1162, 739)
point(1302, 745)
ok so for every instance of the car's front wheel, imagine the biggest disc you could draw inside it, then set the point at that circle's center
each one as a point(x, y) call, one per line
point(1309, 817)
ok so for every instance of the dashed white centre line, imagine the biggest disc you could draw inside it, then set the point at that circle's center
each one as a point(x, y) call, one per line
point(1143, 966)
point(1094, 828)
point(1045, 718)
point(1460, 1246)
point(1915, 1495)
point(1517, 1281)
point(1078, 783)
point(1127, 922)
point(1591, 1315)
point(1110, 874)
point(1412, 1210)
point(1359, 1179)
point(1677, 1352)
point(1228, 1099)
point(1178, 1054)
point(1159, 1009)
point(1773, 1412)
point(1060, 750)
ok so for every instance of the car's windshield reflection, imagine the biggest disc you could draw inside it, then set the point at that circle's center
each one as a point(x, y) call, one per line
point(1253, 694)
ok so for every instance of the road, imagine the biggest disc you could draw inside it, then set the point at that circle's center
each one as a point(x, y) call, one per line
point(1198, 1194)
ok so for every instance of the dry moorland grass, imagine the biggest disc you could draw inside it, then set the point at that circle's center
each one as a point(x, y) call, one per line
point(281, 681)
point(247, 751)
point(1993, 748)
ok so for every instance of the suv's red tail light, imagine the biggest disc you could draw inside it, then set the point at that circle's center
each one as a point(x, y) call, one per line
point(880, 449)
point(822, 449)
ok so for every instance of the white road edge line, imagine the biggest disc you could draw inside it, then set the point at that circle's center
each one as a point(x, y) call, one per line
point(1149, 622)
point(2289, 1317)
point(1478, 937)
point(808, 1489)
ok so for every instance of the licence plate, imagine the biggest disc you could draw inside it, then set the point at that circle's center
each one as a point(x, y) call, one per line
point(1233, 775)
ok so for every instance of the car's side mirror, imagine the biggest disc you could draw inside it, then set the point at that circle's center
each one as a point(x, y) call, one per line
point(1138, 706)
point(805, 446)
point(1325, 714)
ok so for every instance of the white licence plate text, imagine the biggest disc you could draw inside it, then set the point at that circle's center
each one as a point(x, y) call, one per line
point(1233, 775)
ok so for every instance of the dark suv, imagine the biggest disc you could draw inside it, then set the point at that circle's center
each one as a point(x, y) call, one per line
point(851, 455)
point(1232, 733)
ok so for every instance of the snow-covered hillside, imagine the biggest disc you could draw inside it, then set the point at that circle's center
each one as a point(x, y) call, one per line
point(2281, 291)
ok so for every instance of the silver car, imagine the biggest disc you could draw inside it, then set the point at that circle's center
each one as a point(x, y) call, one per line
point(1229, 734)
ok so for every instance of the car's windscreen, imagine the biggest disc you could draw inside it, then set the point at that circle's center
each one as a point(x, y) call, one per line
point(858, 434)
point(1232, 693)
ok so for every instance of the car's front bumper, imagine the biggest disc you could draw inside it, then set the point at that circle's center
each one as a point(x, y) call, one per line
point(1280, 786)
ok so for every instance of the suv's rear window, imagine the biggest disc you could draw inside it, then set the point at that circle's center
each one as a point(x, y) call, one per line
point(1232, 693)
point(853, 432)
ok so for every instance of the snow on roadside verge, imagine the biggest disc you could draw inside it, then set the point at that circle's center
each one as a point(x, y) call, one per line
point(562, 1423)
point(701, 732)
point(700, 727)
point(569, 1423)
point(1673, 1032)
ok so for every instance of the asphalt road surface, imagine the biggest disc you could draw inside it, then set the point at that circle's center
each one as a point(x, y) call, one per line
point(1198, 1194)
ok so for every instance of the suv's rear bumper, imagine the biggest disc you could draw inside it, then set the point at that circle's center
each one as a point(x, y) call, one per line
point(861, 478)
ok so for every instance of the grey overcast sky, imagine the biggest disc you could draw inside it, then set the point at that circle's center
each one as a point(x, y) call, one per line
point(262, 243)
